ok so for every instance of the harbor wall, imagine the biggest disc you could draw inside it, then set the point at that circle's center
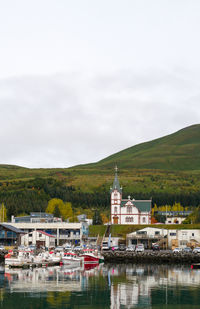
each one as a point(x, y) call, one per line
point(157, 257)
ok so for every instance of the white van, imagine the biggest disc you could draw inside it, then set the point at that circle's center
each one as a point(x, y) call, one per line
point(139, 248)
point(105, 245)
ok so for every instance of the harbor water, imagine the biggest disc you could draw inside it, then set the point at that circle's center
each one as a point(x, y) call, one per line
point(101, 286)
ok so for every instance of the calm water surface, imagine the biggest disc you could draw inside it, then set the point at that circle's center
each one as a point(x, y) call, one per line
point(104, 286)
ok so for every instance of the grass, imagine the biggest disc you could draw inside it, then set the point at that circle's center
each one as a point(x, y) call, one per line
point(95, 230)
point(123, 230)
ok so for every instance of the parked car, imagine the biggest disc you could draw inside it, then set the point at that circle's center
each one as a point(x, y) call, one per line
point(78, 248)
point(67, 247)
point(139, 248)
point(196, 250)
point(155, 247)
point(21, 247)
point(105, 245)
point(122, 247)
point(130, 248)
point(187, 250)
point(59, 248)
point(114, 248)
point(32, 247)
point(177, 250)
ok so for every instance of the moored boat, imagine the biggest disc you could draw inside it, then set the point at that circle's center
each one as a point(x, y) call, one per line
point(71, 258)
point(91, 256)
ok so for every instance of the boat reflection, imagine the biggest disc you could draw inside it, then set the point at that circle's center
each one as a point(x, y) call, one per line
point(55, 278)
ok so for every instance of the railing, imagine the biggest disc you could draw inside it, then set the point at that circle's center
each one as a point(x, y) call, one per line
point(147, 236)
point(67, 237)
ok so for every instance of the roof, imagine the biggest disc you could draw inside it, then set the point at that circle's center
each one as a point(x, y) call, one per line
point(12, 228)
point(47, 234)
point(116, 185)
point(141, 205)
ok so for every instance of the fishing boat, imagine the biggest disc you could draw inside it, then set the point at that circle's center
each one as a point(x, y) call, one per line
point(91, 256)
point(71, 258)
point(21, 259)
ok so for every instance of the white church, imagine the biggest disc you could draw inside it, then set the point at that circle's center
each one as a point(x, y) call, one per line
point(128, 211)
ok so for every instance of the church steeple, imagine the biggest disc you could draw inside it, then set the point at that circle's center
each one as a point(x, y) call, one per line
point(116, 185)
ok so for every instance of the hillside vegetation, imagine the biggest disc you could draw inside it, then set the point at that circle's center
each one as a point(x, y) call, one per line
point(166, 169)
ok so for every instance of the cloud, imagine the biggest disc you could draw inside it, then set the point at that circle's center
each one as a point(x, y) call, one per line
point(68, 119)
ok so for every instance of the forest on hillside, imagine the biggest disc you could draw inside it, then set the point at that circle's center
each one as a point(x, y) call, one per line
point(33, 195)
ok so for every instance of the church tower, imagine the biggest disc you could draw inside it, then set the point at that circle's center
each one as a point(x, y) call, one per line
point(116, 197)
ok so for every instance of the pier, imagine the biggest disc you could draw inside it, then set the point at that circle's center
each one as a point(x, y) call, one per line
point(149, 256)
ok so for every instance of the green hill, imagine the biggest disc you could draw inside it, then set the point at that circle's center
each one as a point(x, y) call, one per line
point(166, 169)
point(179, 151)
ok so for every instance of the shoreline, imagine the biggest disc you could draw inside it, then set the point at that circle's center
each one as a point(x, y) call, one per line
point(153, 257)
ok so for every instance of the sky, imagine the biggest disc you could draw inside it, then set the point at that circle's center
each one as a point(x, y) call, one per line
point(81, 80)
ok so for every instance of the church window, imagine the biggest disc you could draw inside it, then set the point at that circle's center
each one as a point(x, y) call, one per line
point(129, 209)
point(129, 219)
point(143, 220)
point(115, 210)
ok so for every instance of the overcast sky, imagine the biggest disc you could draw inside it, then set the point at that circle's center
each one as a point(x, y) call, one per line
point(81, 80)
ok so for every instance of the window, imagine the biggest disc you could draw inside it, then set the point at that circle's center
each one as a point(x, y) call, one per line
point(115, 211)
point(129, 219)
point(143, 220)
point(192, 234)
point(172, 234)
point(141, 232)
point(157, 233)
point(129, 209)
point(183, 242)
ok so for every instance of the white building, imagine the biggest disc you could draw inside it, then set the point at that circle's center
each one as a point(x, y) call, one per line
point(127, 211)
point(147, 236)
point(174, 220)
point(38, 238)
point(172, 237)
point(63, 231)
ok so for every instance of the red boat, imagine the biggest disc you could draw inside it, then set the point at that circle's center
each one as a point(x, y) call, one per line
point(89, 257)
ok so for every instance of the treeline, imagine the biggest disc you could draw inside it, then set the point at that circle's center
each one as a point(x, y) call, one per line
point(27, 196)
point(165, 198)
point(33, 195)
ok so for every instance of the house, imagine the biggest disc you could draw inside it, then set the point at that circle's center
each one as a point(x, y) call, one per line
point(38, 238)
point(174, 220)
point(36, 217)
point(128, 211)
point(148, 236)
point(166, 238)
point(10, 235)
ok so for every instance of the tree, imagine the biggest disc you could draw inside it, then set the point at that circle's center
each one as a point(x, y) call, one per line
point(97, 220)
point(66, 210)
point(57, 206)
point(3, 213)
point(53, 203)
point(104, 218)
point(56, 212)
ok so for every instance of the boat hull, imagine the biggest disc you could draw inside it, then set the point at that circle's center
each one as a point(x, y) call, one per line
point(89, 258)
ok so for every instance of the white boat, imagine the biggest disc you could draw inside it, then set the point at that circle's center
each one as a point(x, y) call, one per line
point(72, 259)
point(21, 259)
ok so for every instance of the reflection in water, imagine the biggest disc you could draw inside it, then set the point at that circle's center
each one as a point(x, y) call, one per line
point(102, 286)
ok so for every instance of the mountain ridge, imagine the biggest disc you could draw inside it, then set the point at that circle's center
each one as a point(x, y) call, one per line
point(177, 151)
